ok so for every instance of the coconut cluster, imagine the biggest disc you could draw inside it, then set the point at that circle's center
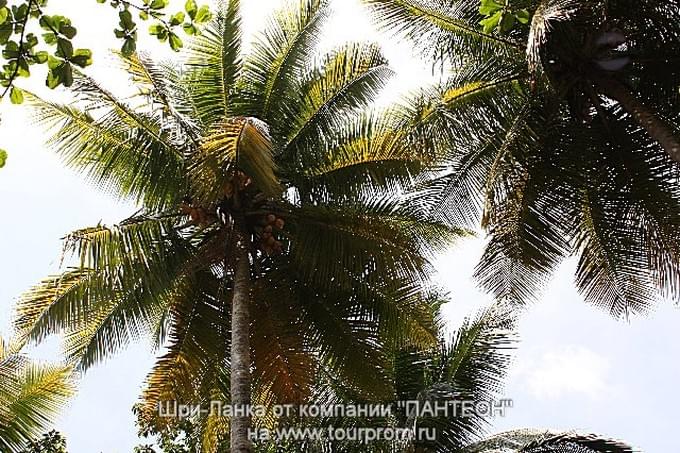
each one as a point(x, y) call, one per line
point(198, 214)
point(269, 244)
point(265, 229)
point(240, 181)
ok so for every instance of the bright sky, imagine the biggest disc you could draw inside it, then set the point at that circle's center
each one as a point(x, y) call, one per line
point(575, 369)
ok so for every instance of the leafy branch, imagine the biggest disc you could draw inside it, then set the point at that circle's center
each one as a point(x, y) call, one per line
point(501, 16)
point(166, 25)
point(20, 46)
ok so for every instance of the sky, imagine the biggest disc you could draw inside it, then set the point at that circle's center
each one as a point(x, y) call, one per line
point(575, 368)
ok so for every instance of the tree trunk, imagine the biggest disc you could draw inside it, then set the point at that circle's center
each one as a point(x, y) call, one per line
point(240, 347)
point(655, 126)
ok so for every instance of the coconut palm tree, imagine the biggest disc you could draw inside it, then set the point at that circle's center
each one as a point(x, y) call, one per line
point(274, 234)
point(464, 374)
point(31, 394)
point(456, 385)
point(561, 120)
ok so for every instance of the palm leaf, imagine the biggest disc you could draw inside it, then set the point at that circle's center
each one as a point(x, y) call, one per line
point(277, 57)
point(446, 27)
point(534, 441)
point(236, 144)
point(345, 81)
point(31, 394)
point(214, 66)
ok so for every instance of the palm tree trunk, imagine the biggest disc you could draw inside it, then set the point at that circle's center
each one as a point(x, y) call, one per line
point(240, 347)
point(655, 126)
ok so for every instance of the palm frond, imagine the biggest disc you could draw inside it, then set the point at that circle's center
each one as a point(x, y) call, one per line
point(282, 357)
point(369, 153)
point(195, 365)
point(535, 441)
point(278, 56)
point(214, 65)
point(160, 85)
point(354, 340)
point(236, 144)
point(31, 394)
point(378, 235)
point(448, 28)
point(611, 273)
point(345, 81)
point(126, 279)
point(117, 158)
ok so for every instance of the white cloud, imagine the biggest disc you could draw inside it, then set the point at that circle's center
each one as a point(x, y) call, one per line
point(570, 371)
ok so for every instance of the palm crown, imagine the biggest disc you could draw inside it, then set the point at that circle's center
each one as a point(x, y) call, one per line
point(272, 211)
point(562, 139)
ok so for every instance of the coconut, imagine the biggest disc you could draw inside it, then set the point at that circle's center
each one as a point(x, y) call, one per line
point(228, 189)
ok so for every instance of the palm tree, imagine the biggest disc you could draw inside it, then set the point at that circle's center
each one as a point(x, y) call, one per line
point(31, 394)
point(562, 137)
point(468, 368)
point(274, 233)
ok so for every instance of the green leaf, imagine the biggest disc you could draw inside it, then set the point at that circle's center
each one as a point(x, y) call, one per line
point(203, 15)
point(82, 57)
point(4, 14)
point(177, 18)
point(31, 41)
point(64, 48)
point(58, 21)
point(24, 70)
point(3, 158)
point(68, 30)
point(489, 7)
point(175, 42)
point(507, 22)
point(16, 96)
point(523, 16)
point(50, 38)
point(159, 4)
point(491, 22)
point(11, 50)
point(163, 35)
point(40, 57)
point(6, 31)
point(53, 78)
point(156, 29)
point(67, 74)
point(191, 8)
point(144, 15)
point(126, 21)
point(60, 72)
point(54, 63)
point(20, 12)
point(47, 23)
point(189, 29)
point(129, 47)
